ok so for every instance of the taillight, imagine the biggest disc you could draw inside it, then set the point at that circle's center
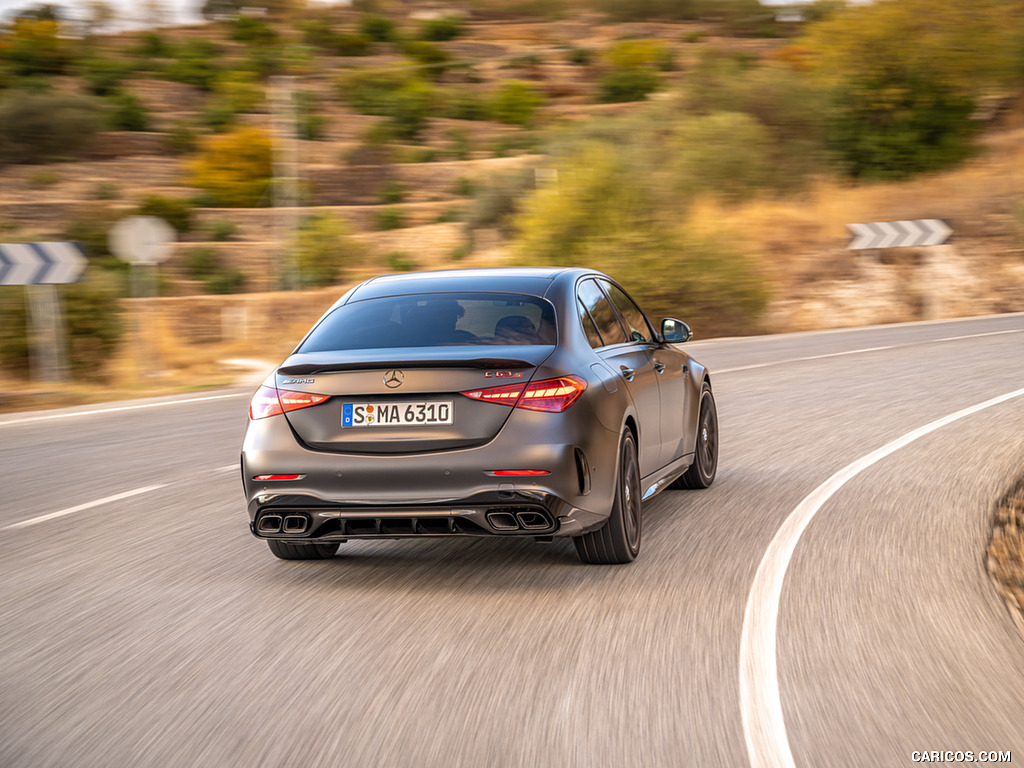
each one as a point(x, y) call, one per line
point(270, 402)
point(550, 395)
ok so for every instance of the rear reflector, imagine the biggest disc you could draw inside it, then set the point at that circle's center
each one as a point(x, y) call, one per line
point(550, 395)
point(517, 472)
point(270, 402)
point(278, 477)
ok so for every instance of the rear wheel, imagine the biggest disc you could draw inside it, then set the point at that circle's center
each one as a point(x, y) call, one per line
point(702, 471)
point(288, 551)
point(618, 540)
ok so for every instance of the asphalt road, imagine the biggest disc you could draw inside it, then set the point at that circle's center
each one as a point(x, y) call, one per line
point(142, 625)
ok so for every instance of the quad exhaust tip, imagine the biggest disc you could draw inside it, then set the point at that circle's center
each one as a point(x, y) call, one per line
point(270, 524)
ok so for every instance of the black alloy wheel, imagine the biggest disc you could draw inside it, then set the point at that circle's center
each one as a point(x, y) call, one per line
point(702, 471)
point(618, 540)
point(288, 551)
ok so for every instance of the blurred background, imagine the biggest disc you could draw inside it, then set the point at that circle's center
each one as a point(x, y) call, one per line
point(709, 154)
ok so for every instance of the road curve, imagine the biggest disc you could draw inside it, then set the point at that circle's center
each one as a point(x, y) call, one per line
point(141, 624)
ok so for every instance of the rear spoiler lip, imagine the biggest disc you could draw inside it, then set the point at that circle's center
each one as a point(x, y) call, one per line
point(483, 363)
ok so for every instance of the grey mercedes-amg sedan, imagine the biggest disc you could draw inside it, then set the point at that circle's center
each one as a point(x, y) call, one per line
point(481, 402)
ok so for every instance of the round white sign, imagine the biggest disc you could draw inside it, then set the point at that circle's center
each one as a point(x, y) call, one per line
point(142, 239)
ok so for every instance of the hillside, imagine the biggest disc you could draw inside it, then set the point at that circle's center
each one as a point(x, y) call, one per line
point(432, 181)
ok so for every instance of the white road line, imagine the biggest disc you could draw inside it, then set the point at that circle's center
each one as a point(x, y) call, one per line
point(861, 351)
point(763, 724)
point(115, 409)
point(83, 507)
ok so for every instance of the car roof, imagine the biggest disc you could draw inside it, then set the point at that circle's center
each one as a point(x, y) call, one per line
point(533, 281)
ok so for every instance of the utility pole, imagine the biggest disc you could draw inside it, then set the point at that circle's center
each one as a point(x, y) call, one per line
point(285, 184)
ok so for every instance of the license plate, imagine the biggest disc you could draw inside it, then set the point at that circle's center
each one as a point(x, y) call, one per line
point(397, 414)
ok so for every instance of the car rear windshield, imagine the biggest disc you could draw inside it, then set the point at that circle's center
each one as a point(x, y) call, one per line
point(435, 320)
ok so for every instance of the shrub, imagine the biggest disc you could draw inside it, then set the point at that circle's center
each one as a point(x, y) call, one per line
point(441, 29)
point(310, 122)
point(516, 102)
point(182, 138)
point(320, 33)
point(128, 114)
point(206, 264)
point(195, 64)
point(236, 167)
point(36, 127)
point(628, 85)
point(496, 202)
point(378, 28)
point(174, 210)
point(465, 105)
point(103, 76)
point(433, 60)
point(580, 56)
point(253, 30)
point(36, 47)
point(324, 250)
point(93, 318)
point(393, 192)
point(406, 100)
point(223, 231)
point(390, 218)
point(400, 262)
point(638, 54)
point(153, 46)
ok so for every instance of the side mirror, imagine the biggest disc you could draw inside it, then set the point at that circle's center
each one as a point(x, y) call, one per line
point(675, 331)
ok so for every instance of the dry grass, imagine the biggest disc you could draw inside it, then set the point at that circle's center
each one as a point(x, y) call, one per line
point(1006, 549)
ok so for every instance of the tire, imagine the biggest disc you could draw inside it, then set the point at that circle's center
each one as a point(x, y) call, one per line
point(288, 551)
point(618, 540)
point(702, 471)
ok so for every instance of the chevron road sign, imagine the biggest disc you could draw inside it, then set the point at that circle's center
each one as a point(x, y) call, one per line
point(899, 234)
point(40, 263)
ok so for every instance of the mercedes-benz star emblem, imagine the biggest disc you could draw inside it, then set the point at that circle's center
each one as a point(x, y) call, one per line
point(393, 379)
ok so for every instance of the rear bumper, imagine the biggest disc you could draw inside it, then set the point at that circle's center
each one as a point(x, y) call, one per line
point(309, 520)
point(337, 496)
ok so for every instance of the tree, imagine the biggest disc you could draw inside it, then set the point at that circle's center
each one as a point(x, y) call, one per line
point(906, 75)
point(236, 167)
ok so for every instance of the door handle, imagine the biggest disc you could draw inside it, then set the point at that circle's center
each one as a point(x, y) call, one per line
point(659, 367)
point(627, 373)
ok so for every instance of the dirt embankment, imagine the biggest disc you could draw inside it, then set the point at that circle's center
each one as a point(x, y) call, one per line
point(1006, 549)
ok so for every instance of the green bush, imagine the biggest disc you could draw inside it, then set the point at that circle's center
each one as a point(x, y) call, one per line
point(174, 210)
point(628, 85)
point(129, 113)
point(432, 60)
point(195, 64)
point(92, 315)
point(36, 47)
point(441, 29)
point(253, 30)
point(223, 231)
point(320, 33)
point(390, 218)
point(393, 192)
point(885, 131)
point(399, 261)
point(206, 265)
point(516, 102)
point(465, 105)
point(496, 202)
point(406, 100)
point(378, 28)
point(580, 56)
point(324, 250)
point(608, 212)
point(103, 76)
point(37, 127)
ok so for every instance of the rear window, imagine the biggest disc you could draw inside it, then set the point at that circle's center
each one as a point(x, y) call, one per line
point(435, 320)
